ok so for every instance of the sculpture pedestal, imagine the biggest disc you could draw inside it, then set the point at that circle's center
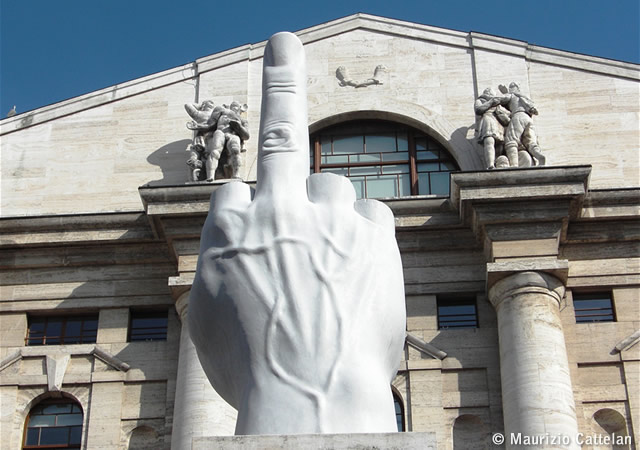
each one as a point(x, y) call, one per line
point(405, 441)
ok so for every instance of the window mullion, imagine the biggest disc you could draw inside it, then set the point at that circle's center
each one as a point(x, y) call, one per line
point(413, 167)
point(317, 149)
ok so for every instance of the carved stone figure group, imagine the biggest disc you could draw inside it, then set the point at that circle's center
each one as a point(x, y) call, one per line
point(505, 129)
point(218, 142)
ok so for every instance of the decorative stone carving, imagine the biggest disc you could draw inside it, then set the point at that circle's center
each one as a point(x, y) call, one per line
point(220, 135)
point(492, 119)
point(345, 79)
point(505, 129)
point(298, 320)
point(520, 141)
point(56, 368)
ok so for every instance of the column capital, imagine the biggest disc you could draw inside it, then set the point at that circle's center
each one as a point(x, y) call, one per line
point(525, 282)
point(559, 268)
point(182, 305)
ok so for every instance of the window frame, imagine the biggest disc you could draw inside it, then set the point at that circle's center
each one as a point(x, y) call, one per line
point(148, 314)
point(412, 163)
point(595, 295)
point(457, 300)
point(45, 403)
point(86, 335)
point(397, 400)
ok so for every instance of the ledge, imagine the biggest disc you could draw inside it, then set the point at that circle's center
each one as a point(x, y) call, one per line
point(382, 441)
point(507, 190)
point(73, 229)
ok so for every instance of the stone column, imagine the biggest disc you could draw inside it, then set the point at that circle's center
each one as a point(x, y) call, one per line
point(198, 409)
point(537, 396)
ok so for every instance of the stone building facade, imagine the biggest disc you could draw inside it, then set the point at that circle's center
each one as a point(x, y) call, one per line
point(522, 285)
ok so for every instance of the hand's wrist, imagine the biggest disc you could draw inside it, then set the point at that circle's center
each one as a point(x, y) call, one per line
point(365, 406)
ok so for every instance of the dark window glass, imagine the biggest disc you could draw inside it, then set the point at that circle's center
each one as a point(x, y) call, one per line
point(383, 159)
point(75, 435)
point(148, 326)
point(54, 436)
point(54, 425)
point(56, 330)
point(33, 434)
point(597, 307)
point(397, 402)
point(457, 313)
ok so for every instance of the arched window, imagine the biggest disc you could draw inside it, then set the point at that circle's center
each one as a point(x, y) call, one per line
point(54, 424)
point(397, 403)
point(383, 159)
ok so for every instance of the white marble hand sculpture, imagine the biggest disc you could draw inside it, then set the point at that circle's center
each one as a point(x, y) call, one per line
point(297, 308)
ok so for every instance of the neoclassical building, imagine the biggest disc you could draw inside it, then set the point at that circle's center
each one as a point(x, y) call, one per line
point(522, 284)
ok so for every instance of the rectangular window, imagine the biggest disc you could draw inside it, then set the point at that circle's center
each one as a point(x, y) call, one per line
point(148, 326)
point(457, 312)
point(59, 330)
point(593, 307)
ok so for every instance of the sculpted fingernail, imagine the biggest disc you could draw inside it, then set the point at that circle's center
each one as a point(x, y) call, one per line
point(283, 49)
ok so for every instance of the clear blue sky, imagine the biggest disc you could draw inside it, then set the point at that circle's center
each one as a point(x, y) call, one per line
point(54, 50)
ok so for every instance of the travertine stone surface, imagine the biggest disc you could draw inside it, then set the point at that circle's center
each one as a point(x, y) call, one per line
point(112, 325)
point(106, 411)
point(76, 162)
point(537, 395)
point(13, 330)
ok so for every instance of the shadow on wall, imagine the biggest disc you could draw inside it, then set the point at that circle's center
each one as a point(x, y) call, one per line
point(144, 438)
point(470, 433)
point(468, 134)
point(172, 160)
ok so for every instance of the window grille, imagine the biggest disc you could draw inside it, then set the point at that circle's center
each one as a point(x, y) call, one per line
point(148, 326)
point(593, 307)
point(457, 313)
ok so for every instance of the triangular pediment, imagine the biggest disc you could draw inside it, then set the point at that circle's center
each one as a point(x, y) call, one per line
point(356, 22)
point(57, 360)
